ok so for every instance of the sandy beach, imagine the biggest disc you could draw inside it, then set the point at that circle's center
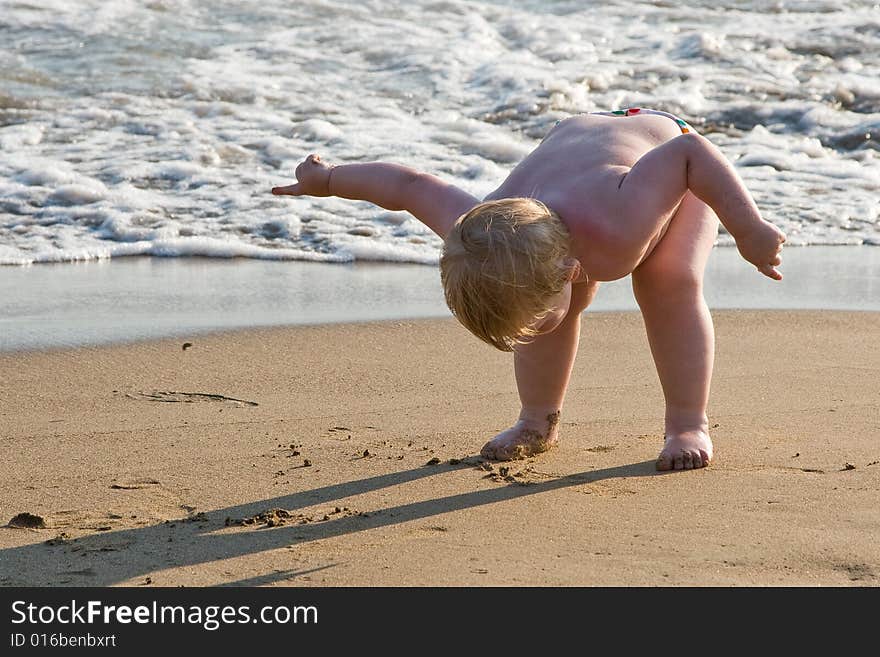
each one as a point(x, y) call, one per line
point(343, 455)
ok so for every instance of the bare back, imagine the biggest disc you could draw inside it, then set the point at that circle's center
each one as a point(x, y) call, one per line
point(575, 171)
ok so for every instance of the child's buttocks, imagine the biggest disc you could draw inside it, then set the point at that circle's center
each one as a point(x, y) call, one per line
point(635, 111)
point(683, 125)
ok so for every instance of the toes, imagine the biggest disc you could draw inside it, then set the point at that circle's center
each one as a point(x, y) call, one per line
point(684, 452)
point(510, 452)
point(503, 455)
point(687, 461)
point(704, 456)
point(494, 452)
point(507, 447)
point(684, 460)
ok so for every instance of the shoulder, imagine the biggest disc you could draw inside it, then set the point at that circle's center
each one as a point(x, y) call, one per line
point(436, 203)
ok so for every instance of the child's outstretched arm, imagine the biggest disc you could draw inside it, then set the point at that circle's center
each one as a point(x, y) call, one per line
point(658, 181)
point(391, 186)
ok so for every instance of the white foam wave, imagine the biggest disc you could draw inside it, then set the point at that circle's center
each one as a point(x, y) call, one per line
point(159, 128)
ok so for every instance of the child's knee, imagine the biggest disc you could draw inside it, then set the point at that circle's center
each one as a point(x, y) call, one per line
point(668, 281)
point(582, 296)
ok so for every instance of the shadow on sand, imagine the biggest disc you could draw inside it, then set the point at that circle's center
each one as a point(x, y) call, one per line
point(109, 558)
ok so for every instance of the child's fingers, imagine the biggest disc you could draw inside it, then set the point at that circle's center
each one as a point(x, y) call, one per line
point(288, 190)
point(770, 272)
point(313, 160)
point(311, 163)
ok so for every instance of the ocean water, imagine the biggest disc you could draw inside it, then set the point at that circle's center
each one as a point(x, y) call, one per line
point(158, 128)
point(131, 299)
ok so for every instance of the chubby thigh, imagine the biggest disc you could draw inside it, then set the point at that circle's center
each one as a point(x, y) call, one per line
point(678, 261)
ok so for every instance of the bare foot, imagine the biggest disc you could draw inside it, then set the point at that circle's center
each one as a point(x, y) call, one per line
point(525, 438)
point(686, 450)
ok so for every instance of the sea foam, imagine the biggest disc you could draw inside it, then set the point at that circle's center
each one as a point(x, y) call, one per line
point(159, 128)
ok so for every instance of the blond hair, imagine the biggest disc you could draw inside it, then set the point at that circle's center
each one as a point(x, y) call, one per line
point(502, 264)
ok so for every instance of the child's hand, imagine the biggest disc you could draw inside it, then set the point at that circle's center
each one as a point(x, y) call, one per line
point(761, 246)
point(313, 179)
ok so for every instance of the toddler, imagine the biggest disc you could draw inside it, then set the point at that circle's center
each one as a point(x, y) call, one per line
point(604, 195)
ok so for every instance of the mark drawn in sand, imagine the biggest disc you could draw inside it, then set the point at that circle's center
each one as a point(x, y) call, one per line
point(188, 397)
point(846, 468)
point(604, 489)
point(856, 571)
point(134, 485)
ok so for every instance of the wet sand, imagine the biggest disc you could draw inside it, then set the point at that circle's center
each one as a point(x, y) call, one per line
point(89, 303)
point(348, 454)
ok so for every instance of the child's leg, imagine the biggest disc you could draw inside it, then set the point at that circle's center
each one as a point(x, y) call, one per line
point(668, 286)
point(542, 369)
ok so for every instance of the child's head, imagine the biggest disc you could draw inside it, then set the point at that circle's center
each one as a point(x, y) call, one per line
point(505, 270)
